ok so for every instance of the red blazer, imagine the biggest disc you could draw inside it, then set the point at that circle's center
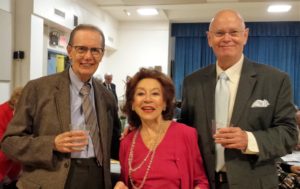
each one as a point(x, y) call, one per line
point(7, 166)
point(183, 140)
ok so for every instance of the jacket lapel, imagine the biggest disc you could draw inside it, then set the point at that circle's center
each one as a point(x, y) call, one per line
point(246, 85)
point(62, 100)
point(209, 86)
point(101, 115)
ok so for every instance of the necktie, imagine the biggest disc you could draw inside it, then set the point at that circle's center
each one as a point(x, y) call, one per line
point(222, 94)
point(91, 121)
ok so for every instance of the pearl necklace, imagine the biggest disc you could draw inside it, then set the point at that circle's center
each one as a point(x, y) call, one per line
point(130, 158)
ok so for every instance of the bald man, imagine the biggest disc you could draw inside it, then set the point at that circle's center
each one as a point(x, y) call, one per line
point(260, 111)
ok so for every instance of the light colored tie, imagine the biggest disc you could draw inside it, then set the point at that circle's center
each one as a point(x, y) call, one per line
point(222, 95)
point(91, 121)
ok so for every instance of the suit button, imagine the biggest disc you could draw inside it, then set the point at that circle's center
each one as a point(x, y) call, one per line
point(66, 165)
point(78, 161)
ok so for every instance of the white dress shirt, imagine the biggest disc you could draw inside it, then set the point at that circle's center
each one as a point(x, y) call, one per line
point(234, 74)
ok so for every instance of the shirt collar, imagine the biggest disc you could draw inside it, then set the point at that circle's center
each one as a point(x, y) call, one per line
point(76, 82)
point(232, 72)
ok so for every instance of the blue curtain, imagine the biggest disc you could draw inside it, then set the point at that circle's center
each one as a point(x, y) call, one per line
point(273, 43)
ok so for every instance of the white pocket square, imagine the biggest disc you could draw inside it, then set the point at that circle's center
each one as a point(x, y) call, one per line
point(260, 103)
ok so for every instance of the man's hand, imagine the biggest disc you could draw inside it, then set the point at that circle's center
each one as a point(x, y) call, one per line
point(71, 141)
point(295, 169)
point(232, 137)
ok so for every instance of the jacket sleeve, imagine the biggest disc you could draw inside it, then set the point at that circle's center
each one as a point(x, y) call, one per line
point(281, 136)
point(20, 141)
point(186, 114)
point(116, 136)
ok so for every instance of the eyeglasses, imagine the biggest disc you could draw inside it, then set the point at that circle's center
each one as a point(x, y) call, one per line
point(82, 50)
point(234, 33)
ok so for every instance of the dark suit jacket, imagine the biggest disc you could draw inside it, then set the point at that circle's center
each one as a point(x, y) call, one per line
point(273, 126)
point(113, 90)
point(42, 113)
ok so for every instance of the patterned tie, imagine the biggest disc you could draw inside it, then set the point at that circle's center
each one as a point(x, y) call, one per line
point(91, 121)
point(221, 114)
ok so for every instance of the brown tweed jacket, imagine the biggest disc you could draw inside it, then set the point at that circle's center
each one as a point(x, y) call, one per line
point(42, 113)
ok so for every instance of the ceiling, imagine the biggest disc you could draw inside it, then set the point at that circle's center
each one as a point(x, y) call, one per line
point(196, 10)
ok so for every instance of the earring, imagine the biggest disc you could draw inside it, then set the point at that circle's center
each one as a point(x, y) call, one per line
point(132, 108)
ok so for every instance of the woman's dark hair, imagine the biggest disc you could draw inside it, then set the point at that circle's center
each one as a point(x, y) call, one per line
point(167, 88)
point(86, 27)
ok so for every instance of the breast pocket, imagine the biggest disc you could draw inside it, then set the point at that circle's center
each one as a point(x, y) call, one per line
point(259, 117)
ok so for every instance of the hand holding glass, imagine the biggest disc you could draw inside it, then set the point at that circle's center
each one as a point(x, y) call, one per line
point(79, 137)
point(217, 126)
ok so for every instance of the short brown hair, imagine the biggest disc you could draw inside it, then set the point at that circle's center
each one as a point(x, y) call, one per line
point(15, 96)
point(168, 94)
point(86, 27)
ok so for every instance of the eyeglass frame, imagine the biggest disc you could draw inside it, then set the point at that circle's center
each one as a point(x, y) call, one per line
point(85, 49)
point(233, 33)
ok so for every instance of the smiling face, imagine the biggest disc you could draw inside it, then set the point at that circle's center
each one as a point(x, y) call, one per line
point(148, 101)
point(84, 65)
point(227, 36)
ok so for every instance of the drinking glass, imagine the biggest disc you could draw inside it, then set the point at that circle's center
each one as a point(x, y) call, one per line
point(81, 143)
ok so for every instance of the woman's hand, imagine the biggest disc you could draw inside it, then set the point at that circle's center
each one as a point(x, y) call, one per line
point(126, 131)
point(120, 185)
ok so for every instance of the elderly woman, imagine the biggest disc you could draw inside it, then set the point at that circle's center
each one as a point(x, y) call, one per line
point(159, 153)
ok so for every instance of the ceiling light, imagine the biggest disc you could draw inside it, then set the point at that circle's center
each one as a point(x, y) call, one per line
point(147, 11)
point(279, 8)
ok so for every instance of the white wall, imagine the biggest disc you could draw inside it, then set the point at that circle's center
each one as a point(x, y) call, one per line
point(91, 14)
point(141, 44)
point(22, 41)
point(6, 5)
point(130, 45)
point(4, 91)
point(86, 13)
point(36, 46)
point(6, 44)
